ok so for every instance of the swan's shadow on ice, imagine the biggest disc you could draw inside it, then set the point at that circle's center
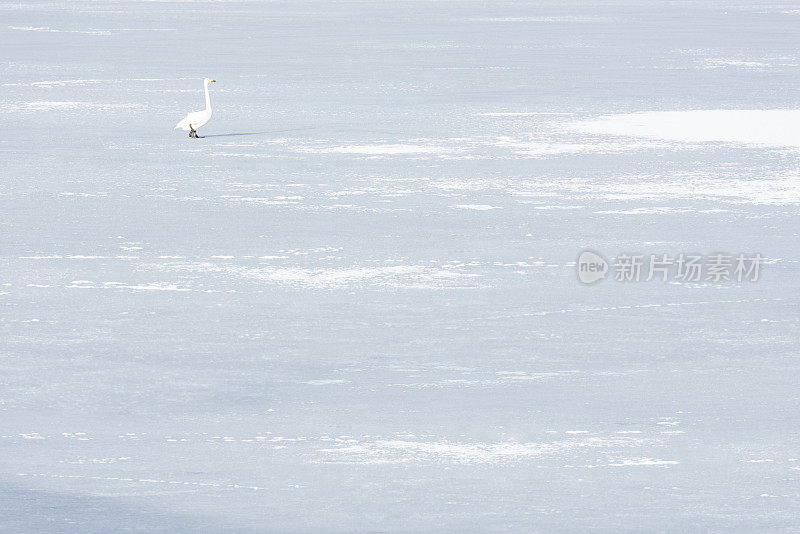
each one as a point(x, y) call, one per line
point(265, 132)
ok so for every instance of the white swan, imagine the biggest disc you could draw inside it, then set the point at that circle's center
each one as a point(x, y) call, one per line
point(196, 119)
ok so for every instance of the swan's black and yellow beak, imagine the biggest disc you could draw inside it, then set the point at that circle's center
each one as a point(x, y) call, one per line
point(213, 80)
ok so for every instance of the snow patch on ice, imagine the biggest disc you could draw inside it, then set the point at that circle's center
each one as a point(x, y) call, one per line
point(379, 149)
point(404, 451)
point(48, 29)
point(61, 106)
point(776, 127)
point(645, 211)
point(477, 207)
point(542, 148)
point(406, 276)
point(625, 462)
point(563, 18)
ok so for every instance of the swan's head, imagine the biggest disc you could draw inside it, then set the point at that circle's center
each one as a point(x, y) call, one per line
point(209, 80)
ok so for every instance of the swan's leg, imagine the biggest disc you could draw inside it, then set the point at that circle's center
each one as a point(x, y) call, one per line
point(192, 132)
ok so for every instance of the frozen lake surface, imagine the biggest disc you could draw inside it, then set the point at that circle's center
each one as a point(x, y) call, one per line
point(353, 306)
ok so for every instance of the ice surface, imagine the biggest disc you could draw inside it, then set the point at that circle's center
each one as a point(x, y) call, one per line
point(353, 306)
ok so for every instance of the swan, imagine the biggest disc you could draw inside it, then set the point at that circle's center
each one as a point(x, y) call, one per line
point(196, 119)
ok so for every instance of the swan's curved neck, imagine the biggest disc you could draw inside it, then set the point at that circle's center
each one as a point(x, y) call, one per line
point(208, 99)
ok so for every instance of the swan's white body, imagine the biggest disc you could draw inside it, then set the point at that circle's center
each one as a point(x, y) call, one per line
point(196, 119)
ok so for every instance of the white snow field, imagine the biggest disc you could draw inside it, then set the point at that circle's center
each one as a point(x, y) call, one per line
point(353, 306)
